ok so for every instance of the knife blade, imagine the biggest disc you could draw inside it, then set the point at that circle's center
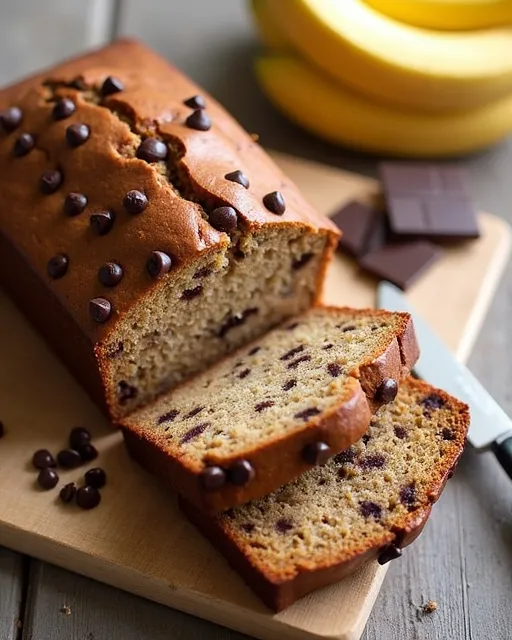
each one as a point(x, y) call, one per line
point(490, 425)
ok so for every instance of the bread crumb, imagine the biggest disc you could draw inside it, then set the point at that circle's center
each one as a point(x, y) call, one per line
point(430, 606)
point(255, 136)
point(65, 610)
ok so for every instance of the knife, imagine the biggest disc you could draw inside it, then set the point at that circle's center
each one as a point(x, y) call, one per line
point(490, 427)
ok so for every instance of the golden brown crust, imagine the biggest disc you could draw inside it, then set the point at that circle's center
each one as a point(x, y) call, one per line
point(280, 590)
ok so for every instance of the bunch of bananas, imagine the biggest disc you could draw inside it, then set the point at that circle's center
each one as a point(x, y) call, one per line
point(414, 78)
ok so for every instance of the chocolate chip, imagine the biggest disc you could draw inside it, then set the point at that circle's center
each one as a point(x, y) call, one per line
point(11, 118)
point(400, 432)
point(199, 120)
point(391, 552)
point(213, 478)
point(316, 453)
point(345, 456)
point(289, 384)
point(236, 320)
point(110, 274)
point(223, 219)
point(448, 434)
point(295, 363)
point(275, 203)
point(69, 458)
point(334, 369)
point(306, 414)
point(292, 326)
point(283, 525)
point(100, 310)
point(387, 390)
point(96, 478)
point(50, 181)
point(243, 374)
point(68, 492)
point(348, 327)
point(248, 527)
point(152, 150)
point(195, 102)
point(63, 108)
point(408, 495)
point(194, 412)
point(264, 405)
point(102, 222)
point(74, 204)
point(292, 352)
point(241, 473)
point(190, 294)
point(194, 433)
point(238, 176)
point(57, 266)
point(254, 351)
point(126, 392)
point(88, 452)
point(202, 273)
point(23, 145)
point(366, 438)
point(88, 497)
point(43, 459)
point(302, 261)
point(2, 429)
point(328, 346)
point(78, 437)
point(433, 401)
point(135, 202)
point(77, 134)
point(111, 85)
point(374, 461)
point(115, 350)
point(170, 416)
point(47, 478)
point(371, 509)
point(159, 264)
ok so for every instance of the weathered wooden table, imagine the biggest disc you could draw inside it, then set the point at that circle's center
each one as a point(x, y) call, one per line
point(463, 561)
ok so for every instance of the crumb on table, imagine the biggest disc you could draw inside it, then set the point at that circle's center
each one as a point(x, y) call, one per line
point(430, 606)
point(65, 610)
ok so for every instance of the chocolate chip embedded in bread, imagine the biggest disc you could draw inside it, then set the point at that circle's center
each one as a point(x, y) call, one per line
point(239, 177)
point(408, 495)
point(135, 202)
point(345, 456)
point(334, 369)
point(266, 404)
point(254, 351)
point(195, 102)
point(159, 264)
point(283, 525)
point(190, 294)
point(152, 150)
point(23, 145)
point(126, 392)
point(391, 552)
point(193, 412)
point(170, 416)
point(387, 390)
point(289, 384)
point(275, 203)
point(243, 374)
point(50, 181)
point(195, 432)
point(306, 414)
point(111, 85)
point(223, 219)
point(370, 509)
point(292, 352)
point(302, 261)
point(11, 118)
point(63, 108)
point(316, 453)
point(374, 461)
point(295, 363)
point(213, 478)
point(47, 479)
point(241, 473)
point(448, 434)
point(102, 222)
point(77, 134)
point(100, 310)
point(57, 266)
point(74, 203)
point(110, 274)
point(199, 120)
point(433, 401)
point(400, 432)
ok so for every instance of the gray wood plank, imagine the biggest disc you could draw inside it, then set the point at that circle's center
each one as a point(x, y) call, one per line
point(64, 606)
point(11, 593)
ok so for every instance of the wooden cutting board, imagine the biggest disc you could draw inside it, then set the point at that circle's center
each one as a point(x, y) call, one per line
point(137, 540)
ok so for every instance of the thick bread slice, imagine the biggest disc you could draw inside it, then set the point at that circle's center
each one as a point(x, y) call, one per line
point(367, 502)
point(269, 412)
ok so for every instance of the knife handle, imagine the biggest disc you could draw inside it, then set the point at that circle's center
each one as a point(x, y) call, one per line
point(503, 451)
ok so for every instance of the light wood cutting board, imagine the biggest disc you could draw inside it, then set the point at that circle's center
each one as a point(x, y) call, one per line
point(137, 540)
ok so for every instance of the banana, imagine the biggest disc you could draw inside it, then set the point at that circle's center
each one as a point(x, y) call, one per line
point(269, 34)
point(394, 62)
point(316, 103)
point(447, 14)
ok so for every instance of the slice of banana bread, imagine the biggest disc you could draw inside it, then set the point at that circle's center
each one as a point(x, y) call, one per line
point(367, 502)
point(269, 412)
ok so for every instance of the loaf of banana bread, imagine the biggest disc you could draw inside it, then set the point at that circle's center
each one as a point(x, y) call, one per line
point(142, 231)
point(270, 411)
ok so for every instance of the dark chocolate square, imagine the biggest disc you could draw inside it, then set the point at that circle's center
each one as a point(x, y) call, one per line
point(402, 262)
point(359, 224)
